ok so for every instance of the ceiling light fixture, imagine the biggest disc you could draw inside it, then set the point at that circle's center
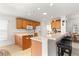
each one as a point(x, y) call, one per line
point(38, 8)
point(51, 4)
point(44, 13)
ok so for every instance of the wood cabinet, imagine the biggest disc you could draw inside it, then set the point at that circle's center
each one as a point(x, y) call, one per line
point(23, 23)
point(36, 48)
point(23, 41)
point(56, 24)
point(19, 23)
point(18, 40)
point(26, 42)
point(34, 24)
point(26, 23)
point(75, 37)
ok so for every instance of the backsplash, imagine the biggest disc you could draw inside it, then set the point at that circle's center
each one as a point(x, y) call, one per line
point(21, 30)
point(29, 32)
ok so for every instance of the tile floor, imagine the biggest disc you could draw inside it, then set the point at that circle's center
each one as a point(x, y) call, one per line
point(17, 51)
point(75, 49)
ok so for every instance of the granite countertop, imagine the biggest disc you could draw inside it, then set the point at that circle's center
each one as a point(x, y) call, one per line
point(56, 36)
point(53, 36)
point(22, 34)
point(36, 38)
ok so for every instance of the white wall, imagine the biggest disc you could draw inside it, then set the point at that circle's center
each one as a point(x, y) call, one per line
point(63, 24)
point(11, 30)
point(44, 24)
point(71, 21)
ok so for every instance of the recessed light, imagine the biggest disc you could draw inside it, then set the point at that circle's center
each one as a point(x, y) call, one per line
point(51, 4)
point(44, 13)
point(38, 8)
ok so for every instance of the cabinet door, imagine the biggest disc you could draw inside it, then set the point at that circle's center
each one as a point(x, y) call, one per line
point(26, 23)
point(18, 41)
point(37, 23)
point(26, 42)
point(19, 23)
point(36, 48)
point(34, 24)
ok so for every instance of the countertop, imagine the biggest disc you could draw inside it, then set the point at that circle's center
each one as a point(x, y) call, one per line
point(53, 36)
point(36, 38)
point(33, 38)
point(56, 36)
point(22, 34)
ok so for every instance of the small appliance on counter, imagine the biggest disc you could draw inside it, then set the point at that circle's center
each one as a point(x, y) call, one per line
point(29, 27)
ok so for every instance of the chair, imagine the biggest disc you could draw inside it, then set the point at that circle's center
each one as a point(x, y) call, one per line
point(64, 46)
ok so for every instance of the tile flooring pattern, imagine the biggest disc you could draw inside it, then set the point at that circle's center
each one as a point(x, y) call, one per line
point(75, 49)
point(17, 51)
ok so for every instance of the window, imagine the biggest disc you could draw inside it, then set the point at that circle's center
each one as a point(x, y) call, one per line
point(3, 29)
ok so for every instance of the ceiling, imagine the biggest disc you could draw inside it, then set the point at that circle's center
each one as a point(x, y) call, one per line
point(29, 10)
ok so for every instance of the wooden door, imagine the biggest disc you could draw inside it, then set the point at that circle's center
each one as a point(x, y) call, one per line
point(19, 23)
point(36, 48)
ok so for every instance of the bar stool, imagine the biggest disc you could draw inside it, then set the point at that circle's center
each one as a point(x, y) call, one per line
point(64, 46)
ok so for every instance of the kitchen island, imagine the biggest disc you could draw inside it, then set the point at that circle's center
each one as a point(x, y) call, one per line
point(44, 45)
point(52, 48)
point(49, 43)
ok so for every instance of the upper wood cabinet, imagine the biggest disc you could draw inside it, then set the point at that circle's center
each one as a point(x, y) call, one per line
point(23, 23)
point(56, 24)
point(34, 24)
point(19, 23)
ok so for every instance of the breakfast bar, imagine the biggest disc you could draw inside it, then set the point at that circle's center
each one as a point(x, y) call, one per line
point(52, 49)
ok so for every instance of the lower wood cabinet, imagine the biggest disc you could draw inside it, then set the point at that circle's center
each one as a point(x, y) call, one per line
point(26, 42)
point(23, 41)
point(36, 48)
point(19, 23)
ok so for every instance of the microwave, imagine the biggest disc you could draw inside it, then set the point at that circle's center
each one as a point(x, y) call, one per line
point(29, 27)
